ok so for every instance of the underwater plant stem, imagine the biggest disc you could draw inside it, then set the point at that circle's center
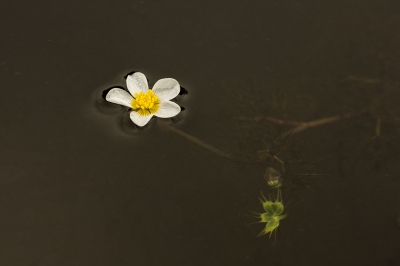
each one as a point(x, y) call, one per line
point(285, 123)
point(282, 163)
point(273, 120)
point(207, 146)
point(320, 122)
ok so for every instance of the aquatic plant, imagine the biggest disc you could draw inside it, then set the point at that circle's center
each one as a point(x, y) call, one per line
point(273, 213)
point(273, 177)
point(145, 102)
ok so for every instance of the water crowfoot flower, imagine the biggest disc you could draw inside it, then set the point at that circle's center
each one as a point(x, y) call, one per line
point(145, 102)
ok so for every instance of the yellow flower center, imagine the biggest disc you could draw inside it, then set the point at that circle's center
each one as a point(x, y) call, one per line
point(145, 103)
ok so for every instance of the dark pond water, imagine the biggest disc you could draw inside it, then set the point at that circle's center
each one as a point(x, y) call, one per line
point(81, 185)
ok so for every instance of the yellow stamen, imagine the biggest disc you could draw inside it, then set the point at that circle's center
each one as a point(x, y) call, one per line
point(145, 103)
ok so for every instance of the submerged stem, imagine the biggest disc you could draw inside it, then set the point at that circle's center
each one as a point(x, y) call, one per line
point(298, 127)
point(305, 125)
point(208, 146)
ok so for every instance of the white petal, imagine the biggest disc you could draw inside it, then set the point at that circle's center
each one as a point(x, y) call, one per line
point(167, 109)
point(166, 89)
point(119, 96)
point(140, 120)
point(136, 83)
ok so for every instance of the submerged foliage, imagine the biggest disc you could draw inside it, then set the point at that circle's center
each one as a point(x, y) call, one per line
point(273, 213)
point(273, 177)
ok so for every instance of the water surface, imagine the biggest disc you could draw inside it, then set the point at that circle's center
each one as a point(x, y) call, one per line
point(81, 185)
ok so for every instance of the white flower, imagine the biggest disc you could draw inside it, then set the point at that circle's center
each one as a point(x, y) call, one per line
point(146, 102)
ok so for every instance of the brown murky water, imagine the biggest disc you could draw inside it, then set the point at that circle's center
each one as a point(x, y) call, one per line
point(81, 185)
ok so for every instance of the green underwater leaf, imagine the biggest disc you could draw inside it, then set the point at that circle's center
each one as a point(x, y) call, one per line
point(272, 215)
